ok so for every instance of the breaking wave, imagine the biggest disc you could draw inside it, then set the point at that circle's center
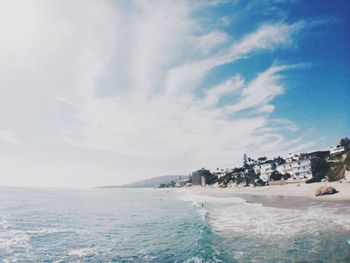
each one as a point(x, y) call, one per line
point(234, 214)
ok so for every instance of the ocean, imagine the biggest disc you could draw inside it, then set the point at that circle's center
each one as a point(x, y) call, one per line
point(165, 225)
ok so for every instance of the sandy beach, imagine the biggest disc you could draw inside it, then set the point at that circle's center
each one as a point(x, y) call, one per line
point(301, 190)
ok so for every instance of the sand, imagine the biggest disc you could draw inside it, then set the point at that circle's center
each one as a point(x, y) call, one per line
point(300, 190)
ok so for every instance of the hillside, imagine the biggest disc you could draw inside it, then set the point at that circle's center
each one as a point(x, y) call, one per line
point(149, 183)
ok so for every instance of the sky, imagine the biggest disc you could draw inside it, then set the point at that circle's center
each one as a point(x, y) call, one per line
point(109, 92)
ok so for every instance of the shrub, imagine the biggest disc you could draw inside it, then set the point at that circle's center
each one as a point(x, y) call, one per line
point(275, 176)
point(320, 169)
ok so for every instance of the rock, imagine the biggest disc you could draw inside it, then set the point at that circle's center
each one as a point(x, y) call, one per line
point(216, 185)
point(231, 184)
point(325, 190)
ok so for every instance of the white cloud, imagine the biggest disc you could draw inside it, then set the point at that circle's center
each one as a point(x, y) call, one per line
point(8, 137)
point(213, 95)
point(284, 124)
point(225, 21)
point(125, 78)
point(267, 37)
point(260, 91)
point(267, 108)
point(212, 40)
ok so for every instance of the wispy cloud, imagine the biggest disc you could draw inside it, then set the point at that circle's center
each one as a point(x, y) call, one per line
point(266, 37)
point(8, 137)
point(260, 91)
point(213, 95)
point(159, 116)
point(212, 40)
point(127, 78)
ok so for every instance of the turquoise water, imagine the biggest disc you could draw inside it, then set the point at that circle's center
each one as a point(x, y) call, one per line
point(152, 225)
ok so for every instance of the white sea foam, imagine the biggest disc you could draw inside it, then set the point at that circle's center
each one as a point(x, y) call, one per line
point(4, 222)
point(45, 230)
point(191, 197)
point(194, 260)
point(238, 254)
point(11, 239)
point(231, 214)
point(82, 252)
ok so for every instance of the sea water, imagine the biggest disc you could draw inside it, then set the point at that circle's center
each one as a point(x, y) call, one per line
point(162, 225)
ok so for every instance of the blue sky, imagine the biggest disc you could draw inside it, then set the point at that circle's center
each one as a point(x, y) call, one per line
point(317, 96)
point(108, 92)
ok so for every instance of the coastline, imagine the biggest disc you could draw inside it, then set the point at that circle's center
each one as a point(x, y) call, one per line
point(282, 196)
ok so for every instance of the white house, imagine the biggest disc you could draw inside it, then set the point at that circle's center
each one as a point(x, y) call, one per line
point(266, 170)
point(298, 169)
point(336, 150)
point(293, 157)
point(256, 169)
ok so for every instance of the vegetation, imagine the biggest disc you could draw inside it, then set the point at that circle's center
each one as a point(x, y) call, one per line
point(340, 163)
point(345, 142)
point(320, 169)
point(323, 166)
point(211, 178)
point(332, 169)
point(171, 184)
point(259, 182)
point(275, 176)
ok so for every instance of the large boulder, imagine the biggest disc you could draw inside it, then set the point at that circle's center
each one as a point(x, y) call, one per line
point(325, 190)
point(231, 184)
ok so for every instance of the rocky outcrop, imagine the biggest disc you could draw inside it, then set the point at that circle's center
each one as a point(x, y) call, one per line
point(325, 190)
point(216, 185)
point(231, 184)
point(222, 185)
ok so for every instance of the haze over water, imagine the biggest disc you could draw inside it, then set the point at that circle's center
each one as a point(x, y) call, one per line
point(152, 225)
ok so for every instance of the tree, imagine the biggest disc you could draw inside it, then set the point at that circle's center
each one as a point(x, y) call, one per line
point(320, 169)
point(279, 160)
point(286, 176)
point(210, 178)
point(345, 142)
point(259, 182)
point(245, 161)
point(275, 176)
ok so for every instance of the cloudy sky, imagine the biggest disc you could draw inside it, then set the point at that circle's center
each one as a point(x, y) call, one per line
point(108, 92)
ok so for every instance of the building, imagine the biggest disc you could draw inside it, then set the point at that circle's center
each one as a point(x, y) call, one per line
point(336, 150)
point(297, 165)
point(266, 170)
point(299, 169)
point(222, 172)
point(199, 177)
point(256, 169)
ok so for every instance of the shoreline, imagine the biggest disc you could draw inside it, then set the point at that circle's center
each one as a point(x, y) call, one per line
point(290, 196)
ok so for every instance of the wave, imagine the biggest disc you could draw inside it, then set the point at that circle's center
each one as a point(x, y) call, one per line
point(3, 222)
point(235, 215)
point(195, 260)
point(13, 239)
point(82, 252)
point(46, 231)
